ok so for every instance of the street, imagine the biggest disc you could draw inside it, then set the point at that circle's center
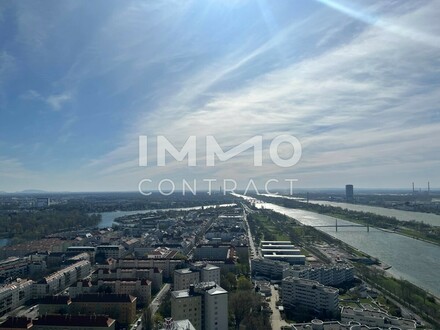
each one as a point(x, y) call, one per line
point(276, 321)
point(154, 306)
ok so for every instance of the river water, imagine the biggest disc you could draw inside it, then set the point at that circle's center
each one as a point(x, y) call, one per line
point(108, 218)
point(429, 218)
point(411, 259)
point(4, 241)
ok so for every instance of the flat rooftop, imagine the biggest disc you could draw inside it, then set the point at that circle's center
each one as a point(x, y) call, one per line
point(281, 250)
point(276, 242)
point(295, 256)
point(180, 294)
point(184, 271)
point(217, 291)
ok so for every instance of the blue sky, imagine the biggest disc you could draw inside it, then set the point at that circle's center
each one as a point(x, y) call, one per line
point(357, 82)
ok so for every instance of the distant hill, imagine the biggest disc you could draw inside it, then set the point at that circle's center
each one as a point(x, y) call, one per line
point(32, 191)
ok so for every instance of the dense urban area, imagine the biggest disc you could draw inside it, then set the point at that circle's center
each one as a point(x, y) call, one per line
point(211, 261)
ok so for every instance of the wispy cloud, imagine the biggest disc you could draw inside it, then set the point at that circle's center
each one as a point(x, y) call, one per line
point(54, 101)
point(357, 87)
point(358, 91)
point(57, 101)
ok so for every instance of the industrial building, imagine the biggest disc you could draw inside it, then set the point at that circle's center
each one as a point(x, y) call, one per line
point(282, 251)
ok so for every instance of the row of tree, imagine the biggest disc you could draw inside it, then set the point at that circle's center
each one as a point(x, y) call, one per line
point(30, 225)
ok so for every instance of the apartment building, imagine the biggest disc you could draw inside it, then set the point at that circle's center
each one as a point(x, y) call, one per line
point(271, 269)
point(155, 275)
point(209, 273)
point(187, 305)
point(62, 322)
point(198, 272)
point(166, 265)
point(205, 305)
point(138, 288)
point(374, 317)
point(119, 307)
point(327, 275)
point(110, 251)
point(13, 267)
point(183, 278)
point(309, 294)
point(61, 279)
point(14, 295)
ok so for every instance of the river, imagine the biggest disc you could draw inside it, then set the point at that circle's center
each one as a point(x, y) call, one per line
point(429, 218)
point(4, 241)
point(411, 259)
point(108, 218)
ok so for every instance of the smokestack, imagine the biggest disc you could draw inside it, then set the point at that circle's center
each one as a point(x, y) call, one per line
point(413, 188)
point(428, 188)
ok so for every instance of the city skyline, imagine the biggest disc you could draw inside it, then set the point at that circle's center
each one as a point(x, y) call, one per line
point(357, 84)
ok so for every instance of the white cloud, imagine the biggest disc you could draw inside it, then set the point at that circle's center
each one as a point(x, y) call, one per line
point(356, 99)
point(54, 101)
point(364, 92)
point(57, 101)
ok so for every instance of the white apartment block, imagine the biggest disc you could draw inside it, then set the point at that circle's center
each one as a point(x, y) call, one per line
point(204, 304)
point(14, 295)
point(197, 273)
point(271, 269)
point(61, 279)
point(185, 305)
point(335, 325)
point(309, 294)
point(183, 278)
point(140, 288)
point(327, 275)
point(216, 309)
point(170, 324)
point(167, 265)
point(373, 317)
point(14, 267)
point(152, 274)
point(210, 273)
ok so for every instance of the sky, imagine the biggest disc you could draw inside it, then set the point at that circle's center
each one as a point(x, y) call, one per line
point(356, 82)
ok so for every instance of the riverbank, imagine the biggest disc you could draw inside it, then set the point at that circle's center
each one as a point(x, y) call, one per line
point(419, 301)
point(404, 231)
point(401, 215)
point(422, 303)
point(412, 229)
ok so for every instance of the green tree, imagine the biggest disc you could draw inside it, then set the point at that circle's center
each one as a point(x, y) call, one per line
point(147, 319)
point(244, 284)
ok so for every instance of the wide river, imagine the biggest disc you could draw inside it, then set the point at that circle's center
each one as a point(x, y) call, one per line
point(411, 259)
point(429, 218)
